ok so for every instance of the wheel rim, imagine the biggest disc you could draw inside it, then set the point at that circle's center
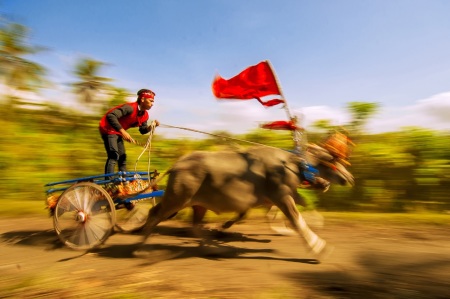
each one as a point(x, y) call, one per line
point(84, 216)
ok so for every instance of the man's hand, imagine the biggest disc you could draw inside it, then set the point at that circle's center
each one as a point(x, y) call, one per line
point(156, 123)
point(126, 136)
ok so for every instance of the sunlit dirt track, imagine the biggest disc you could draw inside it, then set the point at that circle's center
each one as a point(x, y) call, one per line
point(370, 260)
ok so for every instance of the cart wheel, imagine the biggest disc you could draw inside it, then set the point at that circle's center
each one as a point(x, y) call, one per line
point(132, 216)
point(84, 216)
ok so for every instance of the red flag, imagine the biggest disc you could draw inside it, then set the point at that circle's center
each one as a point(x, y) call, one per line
point(280, 125)
point(270, 103)
point(254, 82)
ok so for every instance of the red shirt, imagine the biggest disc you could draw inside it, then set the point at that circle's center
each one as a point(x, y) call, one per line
point(126, 121)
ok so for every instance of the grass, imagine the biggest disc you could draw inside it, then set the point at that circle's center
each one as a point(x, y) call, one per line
point(23, 208)
point(391, 218)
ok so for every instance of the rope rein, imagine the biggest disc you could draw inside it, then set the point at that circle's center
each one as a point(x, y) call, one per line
point(147, 145)
point(215, 135)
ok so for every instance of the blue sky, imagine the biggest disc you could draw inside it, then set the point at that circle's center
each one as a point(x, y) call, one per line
point(325, 54)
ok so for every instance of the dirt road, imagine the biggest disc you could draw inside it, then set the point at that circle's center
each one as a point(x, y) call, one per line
point(370, 260)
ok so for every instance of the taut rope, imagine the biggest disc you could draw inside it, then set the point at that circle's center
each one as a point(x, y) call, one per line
point(215, 135)
point(147, 145)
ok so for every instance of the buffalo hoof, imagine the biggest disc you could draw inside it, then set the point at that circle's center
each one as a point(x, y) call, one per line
point(324, 253)
point(141, 253)
point(228, 224)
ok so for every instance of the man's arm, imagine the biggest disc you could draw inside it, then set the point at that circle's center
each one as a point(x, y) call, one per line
point(145, 128)
point(113, 116)
point(113, 119)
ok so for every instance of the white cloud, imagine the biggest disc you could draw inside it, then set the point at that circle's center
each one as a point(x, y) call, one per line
point(431, 113)
point(309, 115)
point(243, 116)
point(437, 106)
point(27, 96)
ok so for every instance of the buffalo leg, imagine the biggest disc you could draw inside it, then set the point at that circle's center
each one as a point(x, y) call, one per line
point(157, 214)
point(231, 222)
point(154, 218)
point(199, 213)
point(314, 242)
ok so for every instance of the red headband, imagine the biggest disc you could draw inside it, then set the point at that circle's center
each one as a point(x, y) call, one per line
point(147, 95)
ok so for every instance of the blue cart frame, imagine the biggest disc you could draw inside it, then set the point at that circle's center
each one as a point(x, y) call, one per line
point(86, 210)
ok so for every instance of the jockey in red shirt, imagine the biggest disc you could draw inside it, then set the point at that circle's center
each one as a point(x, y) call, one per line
point(117, 120)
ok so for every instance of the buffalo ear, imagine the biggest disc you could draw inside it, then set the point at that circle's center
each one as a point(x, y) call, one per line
point(319, 153)
point(348, 176)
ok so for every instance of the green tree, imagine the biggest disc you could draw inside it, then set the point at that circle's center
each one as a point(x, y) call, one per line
point(322, 124)
point(361, 112)
point(119, 96)
point(90, 83)
point(16, 71)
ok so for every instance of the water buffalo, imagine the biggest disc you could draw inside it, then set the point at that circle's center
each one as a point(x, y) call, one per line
point(235, 181)
point(329, 167)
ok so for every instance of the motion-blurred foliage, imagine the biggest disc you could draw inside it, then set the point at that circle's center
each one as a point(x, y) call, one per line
point(397, 172)
point(401, 171)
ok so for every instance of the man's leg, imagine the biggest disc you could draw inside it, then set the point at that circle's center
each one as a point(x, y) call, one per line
point(122, 155)
point(112, 151)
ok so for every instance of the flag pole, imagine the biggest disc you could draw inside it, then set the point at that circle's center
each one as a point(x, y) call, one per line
point(298, 135)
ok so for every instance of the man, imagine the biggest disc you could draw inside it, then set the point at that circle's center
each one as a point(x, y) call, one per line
point(117, 120)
